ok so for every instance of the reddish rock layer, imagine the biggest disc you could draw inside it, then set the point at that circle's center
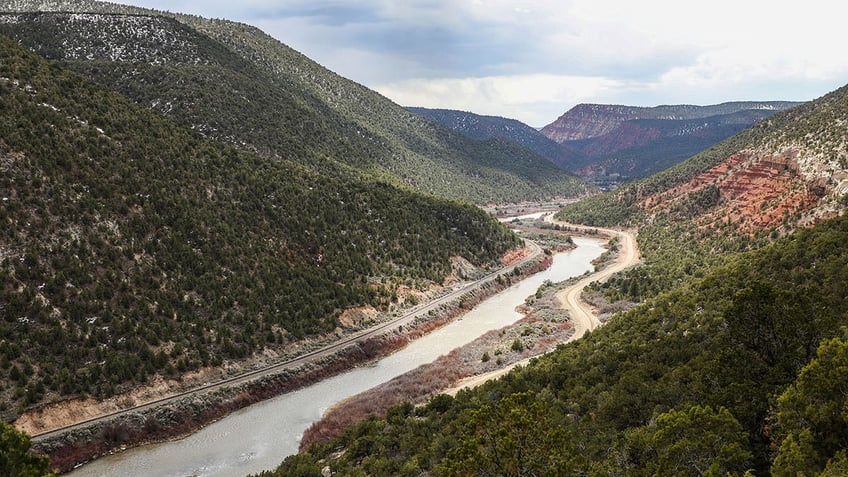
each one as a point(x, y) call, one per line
point(757, 191)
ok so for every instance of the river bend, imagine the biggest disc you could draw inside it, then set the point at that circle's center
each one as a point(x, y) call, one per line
point(260, 436)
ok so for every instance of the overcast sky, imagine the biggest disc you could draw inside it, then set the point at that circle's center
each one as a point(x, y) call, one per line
point(533, 60)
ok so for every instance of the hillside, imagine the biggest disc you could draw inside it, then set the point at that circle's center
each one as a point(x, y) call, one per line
point(733, 362)
point(689, 381)
point(799, 150)
point(132, 247)
point(787, 172)
point(234, 83)
point(482, 127)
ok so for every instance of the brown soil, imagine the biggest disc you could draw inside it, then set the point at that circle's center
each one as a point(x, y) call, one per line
point(358, 317)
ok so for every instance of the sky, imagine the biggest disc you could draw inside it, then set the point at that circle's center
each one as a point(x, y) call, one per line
point(534, 60)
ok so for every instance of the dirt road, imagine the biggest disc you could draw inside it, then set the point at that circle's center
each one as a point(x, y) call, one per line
point(582, 315)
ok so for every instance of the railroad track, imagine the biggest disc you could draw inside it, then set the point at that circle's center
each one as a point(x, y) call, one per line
point(249, 376)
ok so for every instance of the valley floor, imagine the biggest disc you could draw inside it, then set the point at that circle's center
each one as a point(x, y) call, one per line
point(558, 310)
point(582, 315)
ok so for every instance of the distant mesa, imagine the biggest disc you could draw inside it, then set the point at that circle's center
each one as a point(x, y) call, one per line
point(611, 144)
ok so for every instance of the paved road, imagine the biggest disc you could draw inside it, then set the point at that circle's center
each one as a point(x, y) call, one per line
point(407, 318)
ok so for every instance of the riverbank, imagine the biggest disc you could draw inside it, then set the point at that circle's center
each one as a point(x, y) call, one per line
point(182, 416)
point(552, 317)
point(543, 326)
point(526, 208)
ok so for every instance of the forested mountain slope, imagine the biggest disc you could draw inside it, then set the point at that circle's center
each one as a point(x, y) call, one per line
point(697, 381)
point(482, 127)
point(131, 246)
point(234, 83)
point(733, 361)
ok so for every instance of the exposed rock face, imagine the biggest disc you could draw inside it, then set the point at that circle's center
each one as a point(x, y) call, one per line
point(586, 121)
point(755, 190)
point(630, 142)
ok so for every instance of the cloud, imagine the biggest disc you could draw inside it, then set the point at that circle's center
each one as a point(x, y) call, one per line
point(533, 59)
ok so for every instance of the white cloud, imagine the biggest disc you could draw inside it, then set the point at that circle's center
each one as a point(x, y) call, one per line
point(533, 59)
point(646, 53)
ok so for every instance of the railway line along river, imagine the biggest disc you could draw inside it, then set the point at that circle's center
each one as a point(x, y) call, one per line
point(259, 437)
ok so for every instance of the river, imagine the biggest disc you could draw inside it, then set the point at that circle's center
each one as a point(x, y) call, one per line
point(260, 436)
point(534, 215)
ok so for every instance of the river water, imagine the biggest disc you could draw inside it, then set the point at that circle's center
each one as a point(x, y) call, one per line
point(259, 437)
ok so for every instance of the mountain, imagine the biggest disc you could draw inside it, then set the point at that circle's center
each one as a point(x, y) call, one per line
point(785, 173)
point(132, 247)
point(611, 144)
point(482, 127)
point(631, 142)
point(234, 83)
point(586, 121)
point(796, 159)
point(733, 363)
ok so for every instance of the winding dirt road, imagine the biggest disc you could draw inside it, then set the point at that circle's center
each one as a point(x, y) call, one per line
point(582, 314)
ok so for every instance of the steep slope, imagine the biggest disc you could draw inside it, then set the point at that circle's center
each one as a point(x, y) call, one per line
point(234, 83)
point(132, 247)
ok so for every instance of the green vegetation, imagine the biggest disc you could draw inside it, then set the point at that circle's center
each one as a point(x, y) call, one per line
point(234, 83)
point(688, 383)
point(131, 246)
point(15, 458)
point(812, 416)
point(481, 128)
point(685, 384)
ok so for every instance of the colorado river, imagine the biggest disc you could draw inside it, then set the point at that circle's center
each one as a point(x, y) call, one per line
point(259, 437)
